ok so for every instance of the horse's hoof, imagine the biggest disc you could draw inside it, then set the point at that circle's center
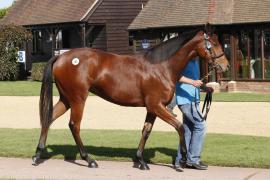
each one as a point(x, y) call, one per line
point(35, 161)
point(144, 167)
point(93, 164)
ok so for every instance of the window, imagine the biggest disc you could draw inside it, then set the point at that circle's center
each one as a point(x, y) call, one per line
point(255, 56)
point(37, 42)
point(241, 58)
point(249, 53)
point(226, 42)
point(65, 39)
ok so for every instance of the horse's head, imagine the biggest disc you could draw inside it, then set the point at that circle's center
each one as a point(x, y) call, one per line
point(210, 49)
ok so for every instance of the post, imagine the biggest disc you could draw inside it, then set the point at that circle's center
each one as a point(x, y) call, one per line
point(233, 56)
point(53, 36)
point(262, 54)
point(83, 35)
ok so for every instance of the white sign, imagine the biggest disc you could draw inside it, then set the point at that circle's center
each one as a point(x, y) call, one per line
point(61, 51)
point(145, 43)
point(21, 56)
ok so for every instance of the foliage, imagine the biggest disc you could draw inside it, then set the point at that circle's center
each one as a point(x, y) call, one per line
point(11, 39)
point(267, 68)
point(37, 71)
point(121, 145)
point(3, 12)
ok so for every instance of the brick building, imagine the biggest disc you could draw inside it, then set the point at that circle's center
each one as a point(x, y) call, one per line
point(60, 25)
point(243, 27)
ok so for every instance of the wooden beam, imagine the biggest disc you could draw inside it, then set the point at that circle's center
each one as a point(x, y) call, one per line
point(83, 35)
point(53, 32)
point(262, 55)
point(233, 56)
point(249, 56)
point(27, 55)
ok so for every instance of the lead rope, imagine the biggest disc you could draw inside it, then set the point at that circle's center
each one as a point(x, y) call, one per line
point(207, 104)
point(207, 100)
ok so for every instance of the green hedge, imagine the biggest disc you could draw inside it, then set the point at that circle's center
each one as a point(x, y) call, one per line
point(37, 71)
point(3, 12)
point(267, 67)
point(11, 39)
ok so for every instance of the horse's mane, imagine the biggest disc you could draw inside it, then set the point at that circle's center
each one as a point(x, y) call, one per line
point(165, 50)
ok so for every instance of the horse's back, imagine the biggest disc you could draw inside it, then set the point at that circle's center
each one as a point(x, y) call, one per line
point(116, 78)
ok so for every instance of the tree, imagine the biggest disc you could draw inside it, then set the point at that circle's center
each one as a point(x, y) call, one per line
point(3, 12)
point(11, 39)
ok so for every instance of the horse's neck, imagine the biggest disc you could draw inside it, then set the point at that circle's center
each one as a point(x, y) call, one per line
point(181, 58)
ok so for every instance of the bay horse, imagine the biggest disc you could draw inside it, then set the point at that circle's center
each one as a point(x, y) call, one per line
point(146, 80)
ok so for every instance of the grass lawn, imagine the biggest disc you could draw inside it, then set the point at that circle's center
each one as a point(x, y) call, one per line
point(220, 149)
point(22, 88)
point(28, 88)
point(239, 97)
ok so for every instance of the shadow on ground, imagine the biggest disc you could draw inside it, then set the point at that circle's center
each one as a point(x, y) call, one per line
point(70, 153)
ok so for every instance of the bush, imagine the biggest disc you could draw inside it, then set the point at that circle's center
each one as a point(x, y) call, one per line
point(3, 12)
point(37, 71)
point(11, 39)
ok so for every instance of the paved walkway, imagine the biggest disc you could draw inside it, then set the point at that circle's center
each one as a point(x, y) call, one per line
point(60, 169)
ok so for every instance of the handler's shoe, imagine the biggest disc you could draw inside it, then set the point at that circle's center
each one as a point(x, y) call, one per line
point(181, 164)
point(199, 165)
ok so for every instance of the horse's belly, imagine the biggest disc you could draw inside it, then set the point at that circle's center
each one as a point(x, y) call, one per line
point(123, 97)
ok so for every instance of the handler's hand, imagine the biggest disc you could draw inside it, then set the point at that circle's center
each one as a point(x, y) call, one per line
point(197, 83)
point(209, 89)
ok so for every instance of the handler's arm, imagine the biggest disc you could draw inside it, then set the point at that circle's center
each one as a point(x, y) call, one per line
point(196, 83)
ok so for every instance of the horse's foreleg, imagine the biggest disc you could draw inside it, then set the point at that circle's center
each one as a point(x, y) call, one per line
point(74, 125)
point(149, 122)
point(162, 112)
point(59, 109)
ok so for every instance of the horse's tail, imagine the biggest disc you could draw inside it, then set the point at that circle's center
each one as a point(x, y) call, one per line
point(46, 96)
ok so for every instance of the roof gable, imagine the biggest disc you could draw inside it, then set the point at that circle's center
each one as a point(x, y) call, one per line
point(33, 12)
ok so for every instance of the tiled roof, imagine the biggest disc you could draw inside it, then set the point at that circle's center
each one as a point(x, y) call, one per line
point(251, 11)
point(174, 13)
point(32, 12)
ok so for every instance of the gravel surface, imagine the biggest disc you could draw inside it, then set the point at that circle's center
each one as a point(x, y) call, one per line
point(248, 118)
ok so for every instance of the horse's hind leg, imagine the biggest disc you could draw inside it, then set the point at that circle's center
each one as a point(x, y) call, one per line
point(59, 109)
point(162, 112)
point(149, 122)
point(74, 125)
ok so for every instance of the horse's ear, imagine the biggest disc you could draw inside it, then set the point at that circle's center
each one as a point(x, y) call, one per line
point(210, 30)
point(207, 28)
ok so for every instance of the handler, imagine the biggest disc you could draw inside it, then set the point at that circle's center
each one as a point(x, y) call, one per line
point(188, 99)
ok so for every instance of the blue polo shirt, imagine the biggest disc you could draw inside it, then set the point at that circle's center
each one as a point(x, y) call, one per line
point(187, 93)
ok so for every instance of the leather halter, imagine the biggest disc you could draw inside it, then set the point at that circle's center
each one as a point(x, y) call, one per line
point(208, 47)
point(208, 98)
